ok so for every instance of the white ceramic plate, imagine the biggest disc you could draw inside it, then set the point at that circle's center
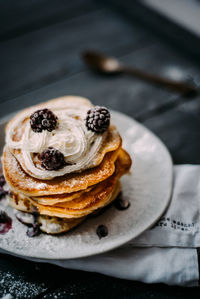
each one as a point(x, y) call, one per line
point(148, 188)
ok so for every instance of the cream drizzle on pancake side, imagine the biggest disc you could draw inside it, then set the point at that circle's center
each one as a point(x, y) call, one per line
point(79, 146)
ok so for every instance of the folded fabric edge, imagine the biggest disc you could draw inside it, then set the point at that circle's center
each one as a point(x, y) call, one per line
point(171, 266)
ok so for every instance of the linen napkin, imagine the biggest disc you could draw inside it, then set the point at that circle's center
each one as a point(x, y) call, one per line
point(167, 252)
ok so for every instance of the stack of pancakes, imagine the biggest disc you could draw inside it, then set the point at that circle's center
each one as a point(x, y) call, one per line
point(63, 202)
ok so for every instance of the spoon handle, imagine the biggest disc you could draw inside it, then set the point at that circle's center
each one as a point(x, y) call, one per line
point(178, 86)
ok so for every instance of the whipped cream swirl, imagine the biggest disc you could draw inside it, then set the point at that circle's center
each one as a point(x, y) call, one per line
point(79, 146)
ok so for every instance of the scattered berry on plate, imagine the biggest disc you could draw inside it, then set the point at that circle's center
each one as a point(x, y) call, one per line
point(33, 231)
point(5, 222)
point(120, 203)
point(102, 231)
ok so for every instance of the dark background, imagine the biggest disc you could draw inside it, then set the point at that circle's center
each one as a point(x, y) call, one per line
point(41, 42)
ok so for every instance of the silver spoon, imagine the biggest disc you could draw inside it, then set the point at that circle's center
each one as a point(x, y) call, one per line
point(112, 66)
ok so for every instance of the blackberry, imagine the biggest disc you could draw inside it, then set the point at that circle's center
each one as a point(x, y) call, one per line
point(4, 217)
point(102, 231)
point(120, 203)
point(33, 231)
point(98, 119)
point(3, 193)
point(52, 159)
point(43, 119)
point(2, 180)
point(5, 222)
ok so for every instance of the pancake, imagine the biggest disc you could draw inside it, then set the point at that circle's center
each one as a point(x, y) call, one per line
point(53, 199)
point(48, 224)
point(54, 225)
point(25, 204)
point(111, 138)
point(100, 201)
point(112, 143)
point(101, 195)
point(70, 198)
point(20, 181)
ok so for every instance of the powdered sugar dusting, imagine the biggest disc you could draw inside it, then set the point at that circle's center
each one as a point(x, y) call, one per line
point(30, 183)
point(12, 163)
point(7, 296)
point(17, 287)
point(41, 186)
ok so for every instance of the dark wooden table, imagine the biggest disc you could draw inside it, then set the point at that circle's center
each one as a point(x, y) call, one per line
point(40, 45)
